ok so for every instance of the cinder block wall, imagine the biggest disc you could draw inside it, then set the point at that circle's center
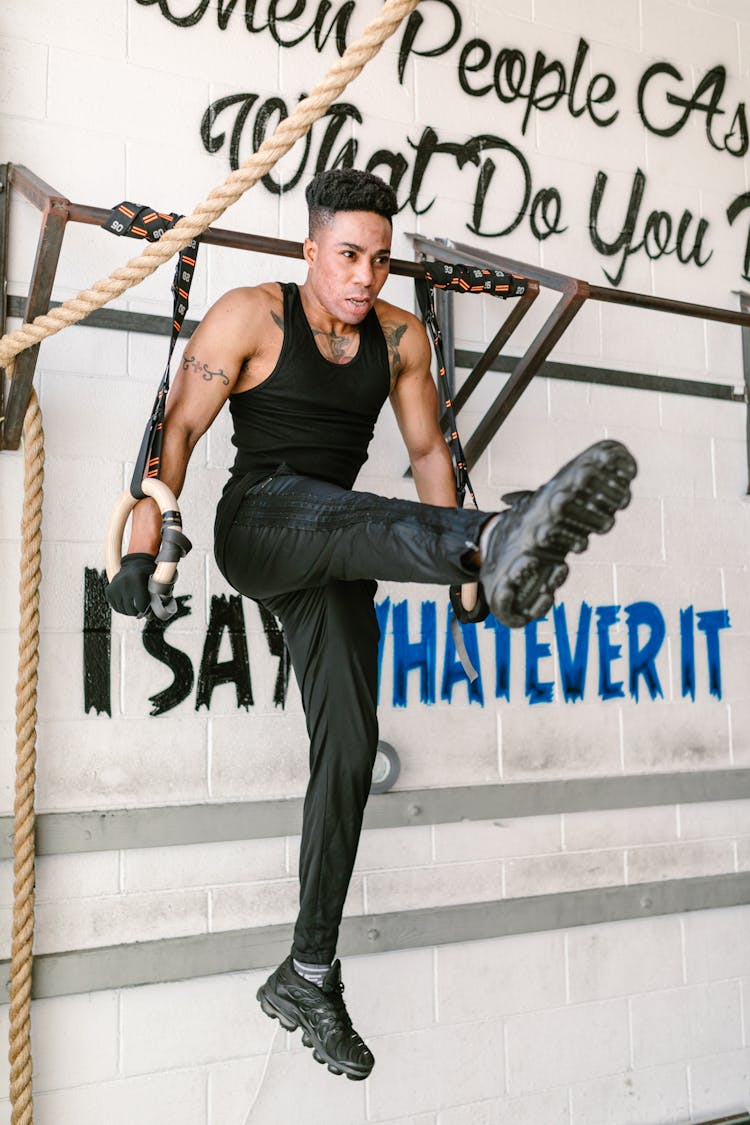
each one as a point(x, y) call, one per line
point(642, 1022)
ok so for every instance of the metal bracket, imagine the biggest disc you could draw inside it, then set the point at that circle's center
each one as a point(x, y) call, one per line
point(4, 218)
point(54, 219)
point(744, 297)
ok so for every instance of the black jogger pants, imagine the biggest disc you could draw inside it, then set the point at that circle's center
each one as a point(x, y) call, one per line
point(311, 552)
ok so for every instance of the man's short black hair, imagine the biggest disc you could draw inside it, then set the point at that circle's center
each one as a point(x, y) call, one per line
point(348, 189)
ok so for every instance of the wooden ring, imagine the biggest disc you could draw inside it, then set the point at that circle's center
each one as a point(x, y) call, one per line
point(165, 498)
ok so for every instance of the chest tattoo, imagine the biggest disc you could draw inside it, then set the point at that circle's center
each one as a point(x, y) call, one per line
point(340, 349)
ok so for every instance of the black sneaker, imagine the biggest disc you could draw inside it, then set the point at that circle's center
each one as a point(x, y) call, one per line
point(322, 1015)
point(524, 558)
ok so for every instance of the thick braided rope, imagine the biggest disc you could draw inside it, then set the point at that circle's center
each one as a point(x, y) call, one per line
point(271, 151)
point(220, 198)
point(23, 832)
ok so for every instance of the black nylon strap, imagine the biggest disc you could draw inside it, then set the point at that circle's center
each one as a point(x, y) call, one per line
point(458, 279)
point(427, 307)
point(134, 220)
point(473, 279)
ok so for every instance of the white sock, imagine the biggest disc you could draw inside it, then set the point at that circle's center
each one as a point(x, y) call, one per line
point(316, 974)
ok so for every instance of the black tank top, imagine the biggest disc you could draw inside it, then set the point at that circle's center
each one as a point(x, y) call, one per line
point(311, 414)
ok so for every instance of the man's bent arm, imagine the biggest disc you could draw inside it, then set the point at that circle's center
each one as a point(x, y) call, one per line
point(415, 404)
point(209, 370)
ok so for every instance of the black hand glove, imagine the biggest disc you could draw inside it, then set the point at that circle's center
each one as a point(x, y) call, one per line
point(128, 591)
point(480, 611)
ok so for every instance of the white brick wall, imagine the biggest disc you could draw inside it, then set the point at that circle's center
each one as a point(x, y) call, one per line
point(601, 1023)
point(636, 1022)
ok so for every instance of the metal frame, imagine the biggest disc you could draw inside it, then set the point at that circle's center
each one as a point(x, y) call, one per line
point(4, 220)
point(66, 833)
point(57, 211)
point(745, 308)
point(573, 295)
point(230, 951)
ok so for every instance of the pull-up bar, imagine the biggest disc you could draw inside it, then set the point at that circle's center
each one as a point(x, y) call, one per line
point(573, 295)
point(57, 212)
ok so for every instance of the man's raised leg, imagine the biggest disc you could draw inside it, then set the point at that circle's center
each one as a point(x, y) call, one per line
point(522, 550)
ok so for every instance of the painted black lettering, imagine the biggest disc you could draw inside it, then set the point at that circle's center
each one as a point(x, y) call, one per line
point(485, 179)
point(396, 164)
point(510, 68)
point(412, 29)
point(428, 146)
point(657, 70)
point(465, 66)
point(266, 112)
point(738, 133)
point(546, 213)
point(693, 254)
point(623, 244)
point(707, 99)
point(338, 27)
point(212, 142)
point(657, 234)
point(176, 660)
point(581, 55)
point(734, 210)
point(226, 617)
point(190, 20)
point(341, 114)
point(607, 93)
point(97, 644)
point(538, 97)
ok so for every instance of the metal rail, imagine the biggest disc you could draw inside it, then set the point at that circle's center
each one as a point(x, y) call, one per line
point(573, 295)
point(57, 211)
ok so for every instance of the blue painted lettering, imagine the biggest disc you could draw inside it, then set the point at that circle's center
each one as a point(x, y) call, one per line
point(572, 665)
point(418, 654)
point(643, 657)
point(538, 691)
point(606, 617)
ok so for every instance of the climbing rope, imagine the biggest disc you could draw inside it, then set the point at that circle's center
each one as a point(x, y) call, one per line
point(23, 829)
point(307, 112)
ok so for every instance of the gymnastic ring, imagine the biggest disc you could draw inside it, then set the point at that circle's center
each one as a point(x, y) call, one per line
point(173, 546)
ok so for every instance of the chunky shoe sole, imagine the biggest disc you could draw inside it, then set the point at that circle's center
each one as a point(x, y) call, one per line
point(527, 548)
point(290, 1020)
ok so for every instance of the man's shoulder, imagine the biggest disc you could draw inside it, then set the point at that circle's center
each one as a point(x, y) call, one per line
point(393, 315)
point(250, 299)
point(247, 313)
point(405, 339)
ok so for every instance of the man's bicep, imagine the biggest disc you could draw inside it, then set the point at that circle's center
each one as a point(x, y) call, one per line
point(207, 372)
point(415, 404)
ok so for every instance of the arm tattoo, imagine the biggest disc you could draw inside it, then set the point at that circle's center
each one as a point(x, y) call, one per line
point(278, 320)
point(393, 334)
point(191, 363)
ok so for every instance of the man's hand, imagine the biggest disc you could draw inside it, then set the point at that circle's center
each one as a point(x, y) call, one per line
point(479, 610)
point(128, 591)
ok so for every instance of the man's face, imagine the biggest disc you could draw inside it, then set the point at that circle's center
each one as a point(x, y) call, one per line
point(349, 260)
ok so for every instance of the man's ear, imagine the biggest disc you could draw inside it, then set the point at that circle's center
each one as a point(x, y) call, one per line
point(309, 250)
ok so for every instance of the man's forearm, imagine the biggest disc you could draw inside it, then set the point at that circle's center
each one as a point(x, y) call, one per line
point(145, 534)
point(435, 478)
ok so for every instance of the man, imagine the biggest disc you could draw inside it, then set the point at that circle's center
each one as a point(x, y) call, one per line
point(306, 371)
